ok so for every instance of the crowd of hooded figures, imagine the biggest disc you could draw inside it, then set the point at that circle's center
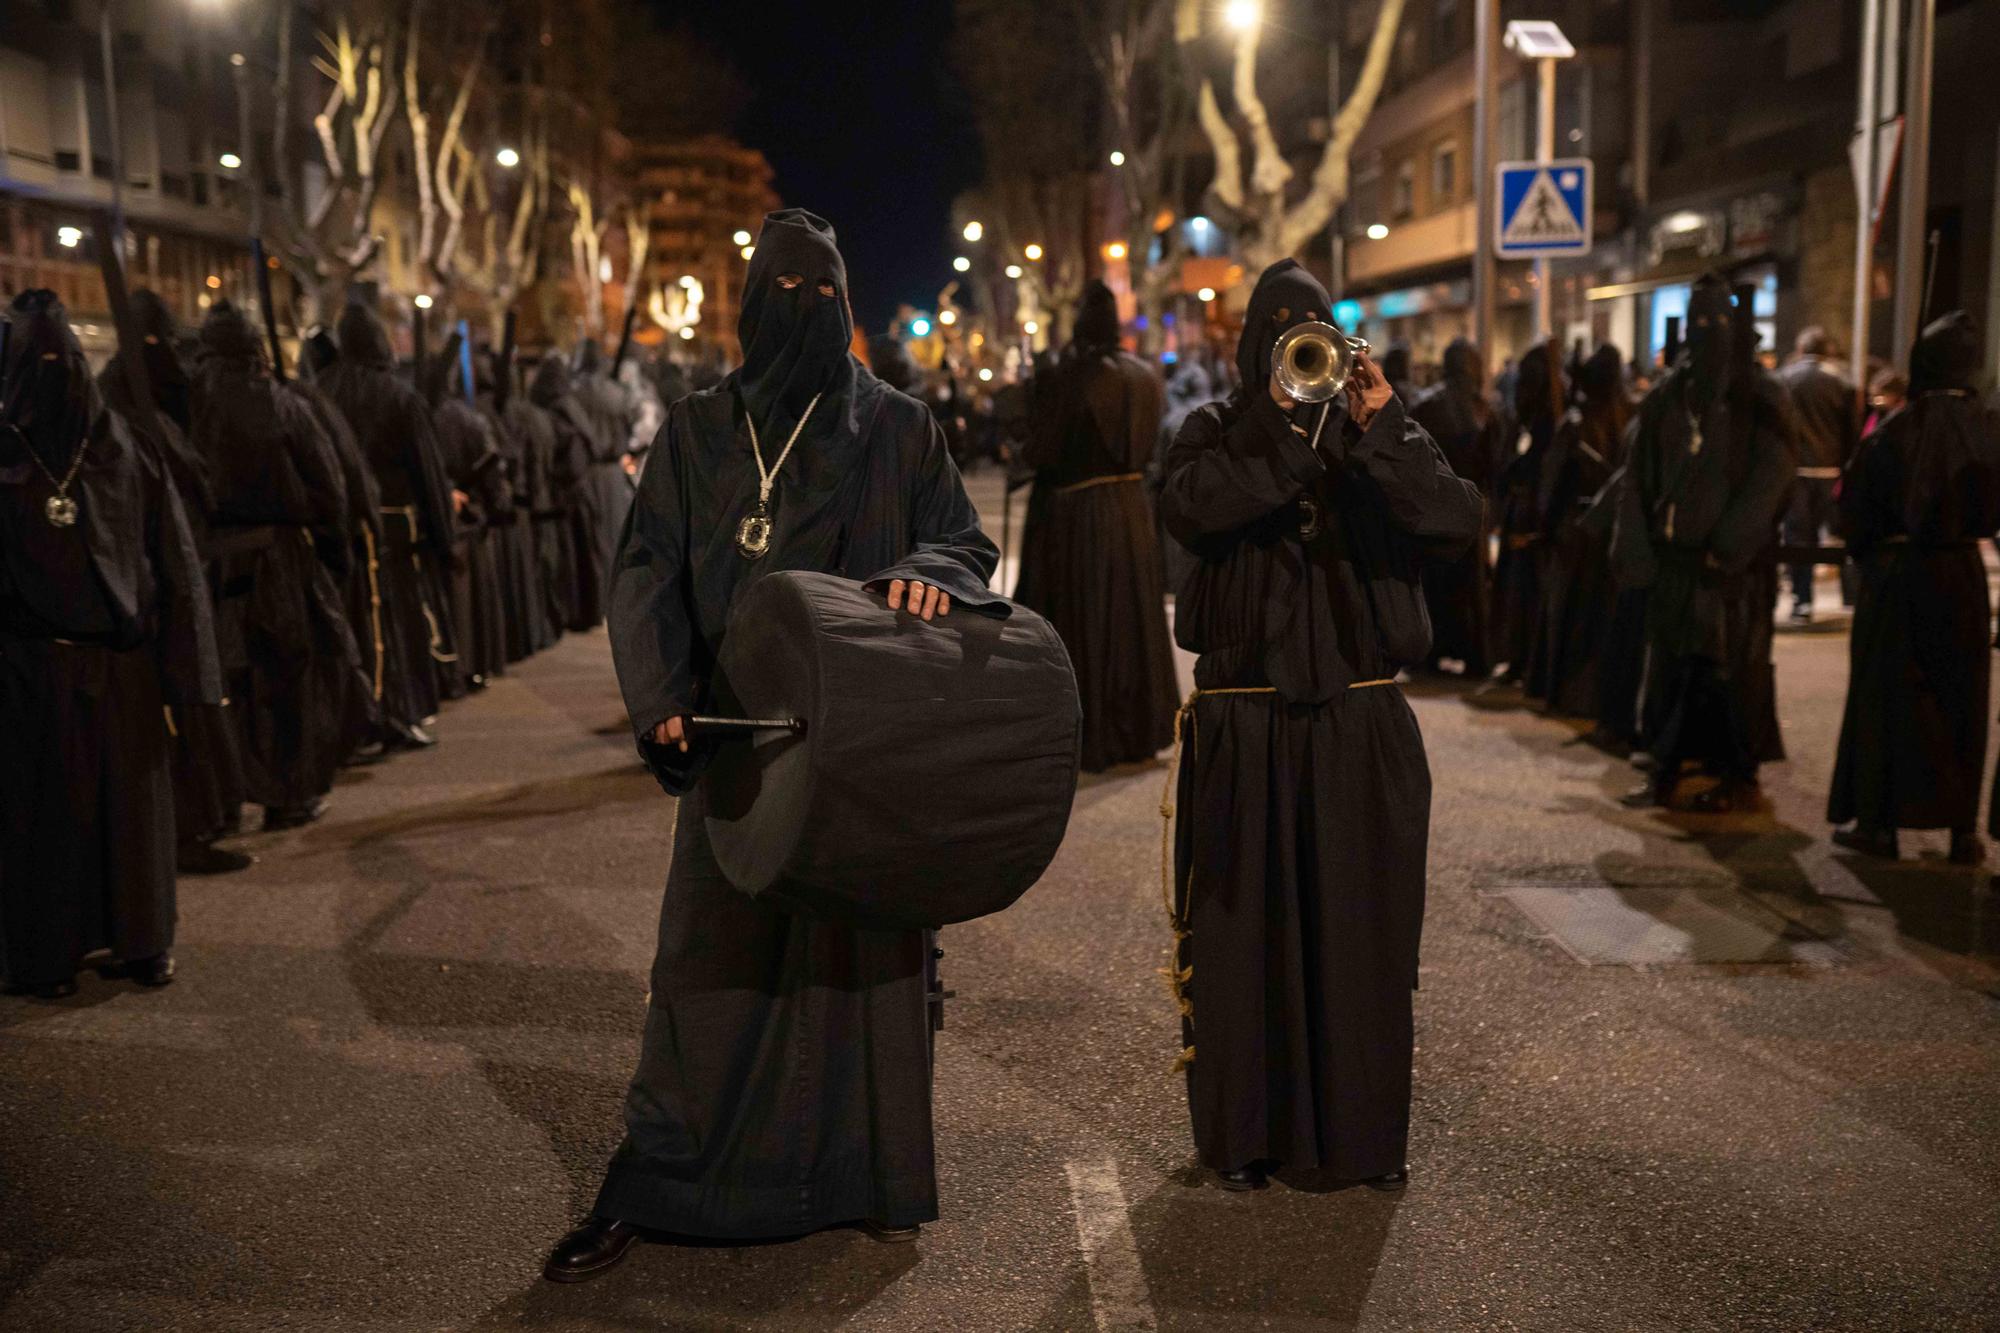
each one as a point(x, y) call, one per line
point(222, 583)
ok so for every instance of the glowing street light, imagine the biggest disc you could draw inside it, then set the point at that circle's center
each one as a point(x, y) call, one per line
point(1014, 271)
point(688, 281)
point(747, 251)
point(741, 238)
point(69, 237)
point(947, 317)
point(423, 301)
point(986, 374)
point(1031, 328)
point(230, 161)
point(1034, 253)
point(920, 327)
point(1378, 231)
point(1205, 295)
point(962, 264)
point(974, 231)
point(508, 158)
point(1115, 250)
point(687, 333)
point(1117, 158)
point(214, 282)
point(1242, 15)
point(1198, 222)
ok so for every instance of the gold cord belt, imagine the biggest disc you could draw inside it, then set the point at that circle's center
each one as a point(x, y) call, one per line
point(1121, 477)
point(1179, 916)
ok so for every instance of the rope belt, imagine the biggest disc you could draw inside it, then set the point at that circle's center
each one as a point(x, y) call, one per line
point(1819, 474)
point(1118, 479)
point(374, 604)
point(1180, 905)
point(408, 513)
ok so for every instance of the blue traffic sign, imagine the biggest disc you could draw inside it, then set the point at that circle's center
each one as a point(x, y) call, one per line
point(1544, 209)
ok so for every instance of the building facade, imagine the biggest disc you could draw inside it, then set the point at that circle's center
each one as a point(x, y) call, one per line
point(700, 194)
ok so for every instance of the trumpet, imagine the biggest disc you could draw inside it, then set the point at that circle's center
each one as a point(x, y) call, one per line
point(1314, 361)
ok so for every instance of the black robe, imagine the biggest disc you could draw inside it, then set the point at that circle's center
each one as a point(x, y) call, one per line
point(784, 1080)
point(570, 474)
point(1579, 594)
point(1914, 504)
point(104, 626)
point(542, 443)
point(1095, 432)
point(1459, 591)
point(1519, 566)
point(279, 538)
point(1304, 815)
point(1698, 530)
point(392, 423)
point(360, 586)
point(473, 461)
point(522, 592)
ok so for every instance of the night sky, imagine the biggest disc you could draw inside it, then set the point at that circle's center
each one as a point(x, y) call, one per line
point(857, 110)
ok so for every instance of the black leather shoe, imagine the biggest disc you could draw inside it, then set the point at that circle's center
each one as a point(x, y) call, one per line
point(1868, 841)
point(1652, 796)
point(889, 1235)
point(1393, 1183)
point(297, 816)
point(1725, 798)
point(48, 990)
point(598, 1246)
point(205, 858)
point(1242, 1180)
point(155, 971)
point(412, 737)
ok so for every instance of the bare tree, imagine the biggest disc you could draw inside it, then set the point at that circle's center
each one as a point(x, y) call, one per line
point(1270, 223)
point(442, 171)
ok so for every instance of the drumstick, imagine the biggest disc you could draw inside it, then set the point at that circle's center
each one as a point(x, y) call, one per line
point(795, 725)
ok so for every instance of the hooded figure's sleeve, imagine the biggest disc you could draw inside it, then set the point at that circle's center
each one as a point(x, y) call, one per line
point(950, 551)
point(190, 670)
point(651, 613)
point(427, 472)
point(1397, 462)
point(1220, 480)
point(1632, 558)
point(318, 465)
point(1750, 523)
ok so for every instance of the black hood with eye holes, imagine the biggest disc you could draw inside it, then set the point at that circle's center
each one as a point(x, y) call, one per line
point(49, 395)
point(1286, 295)
point(795, 342)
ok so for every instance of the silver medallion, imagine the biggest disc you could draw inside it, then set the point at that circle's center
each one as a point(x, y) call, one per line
point(1309, 518)
point(61, 511)
point(753, 534)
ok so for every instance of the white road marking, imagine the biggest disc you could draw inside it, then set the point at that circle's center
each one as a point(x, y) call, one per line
point(1118, 1296)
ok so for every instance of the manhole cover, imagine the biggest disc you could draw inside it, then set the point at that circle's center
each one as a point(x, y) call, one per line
point(1663, 924)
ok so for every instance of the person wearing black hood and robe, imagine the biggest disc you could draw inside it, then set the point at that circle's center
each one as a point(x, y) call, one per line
point(1095, 426)
point(1707, 473)
point(1460, 415)
point(1539, 400)
point(1304, 794)
point(784, 1076)
point(524, 467)
point(208, 774)
point(1914, 504)
point(583, 581)
point(393, 424)
point(280, 538)
point(1580, 596)
point(545, 472)
point(482, 497)
point(890, 361)
point(104, 635)
point(608, 410)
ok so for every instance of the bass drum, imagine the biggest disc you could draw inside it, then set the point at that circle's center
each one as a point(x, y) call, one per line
point(934, 780)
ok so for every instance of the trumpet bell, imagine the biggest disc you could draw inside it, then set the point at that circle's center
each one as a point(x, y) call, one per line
point(1313, 362)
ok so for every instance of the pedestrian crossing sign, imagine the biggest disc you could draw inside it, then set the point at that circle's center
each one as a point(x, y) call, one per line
point(1544, 209)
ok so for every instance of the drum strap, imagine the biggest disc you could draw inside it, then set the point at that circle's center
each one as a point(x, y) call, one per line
point(1122, 477)
point(1180, 898)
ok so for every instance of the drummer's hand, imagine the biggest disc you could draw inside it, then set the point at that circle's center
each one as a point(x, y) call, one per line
point(1368, 391)
point(1284, 400)
point(924, 600)
point(672, 732)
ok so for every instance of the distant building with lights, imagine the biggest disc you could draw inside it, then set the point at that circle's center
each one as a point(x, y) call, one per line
point(176, 118)
point(700, 193)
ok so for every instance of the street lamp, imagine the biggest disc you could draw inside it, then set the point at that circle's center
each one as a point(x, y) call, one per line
point(1543, 42)
point(1205, 295)
point(947, 317)
point(962, 264)
point(1115, 250)
point(973, 232)
point(687, 333)
point(1378, 231)
point(508, 158)
point(1014, 271)
point(920, 327)
point(747, 251)
point(986, 374)
point(423, 301)
point(69, 237)
point(1242, 15)
point(742, 238)
point(230, 161)
point(1117, 158)
point(1031, 328)
point(1034, 253)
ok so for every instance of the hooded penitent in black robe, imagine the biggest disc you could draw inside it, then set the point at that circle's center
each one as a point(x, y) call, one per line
point(360, 588)
point(208, 775)
point(104, 625)
point(473, 461)
point(393, 424)
point(583, 592)
point(784, 1080)
point(1914, 504)
point(279, 539)
point(1097, 423)
point(1519, 571)
point(522, 590)
point(1304, 811)
point(608, 408)
point(544, 444)
point(1707, 473)
point(1460, 416)
point(1580, 596)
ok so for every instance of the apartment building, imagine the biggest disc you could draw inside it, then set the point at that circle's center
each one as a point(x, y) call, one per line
point(701, 193)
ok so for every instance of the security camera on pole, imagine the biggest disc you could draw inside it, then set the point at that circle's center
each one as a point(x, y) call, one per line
point(1544, 205)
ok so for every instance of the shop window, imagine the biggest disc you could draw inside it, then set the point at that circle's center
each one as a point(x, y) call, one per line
point(1444, 174)
point(1406, 190)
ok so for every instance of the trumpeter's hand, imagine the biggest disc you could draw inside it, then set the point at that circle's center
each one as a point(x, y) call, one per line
point(922, 599)
point(1284, 400)
point(1368, 390)
point(672, 732)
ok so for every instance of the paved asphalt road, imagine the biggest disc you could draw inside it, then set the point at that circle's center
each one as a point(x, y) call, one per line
point(391, 1070)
